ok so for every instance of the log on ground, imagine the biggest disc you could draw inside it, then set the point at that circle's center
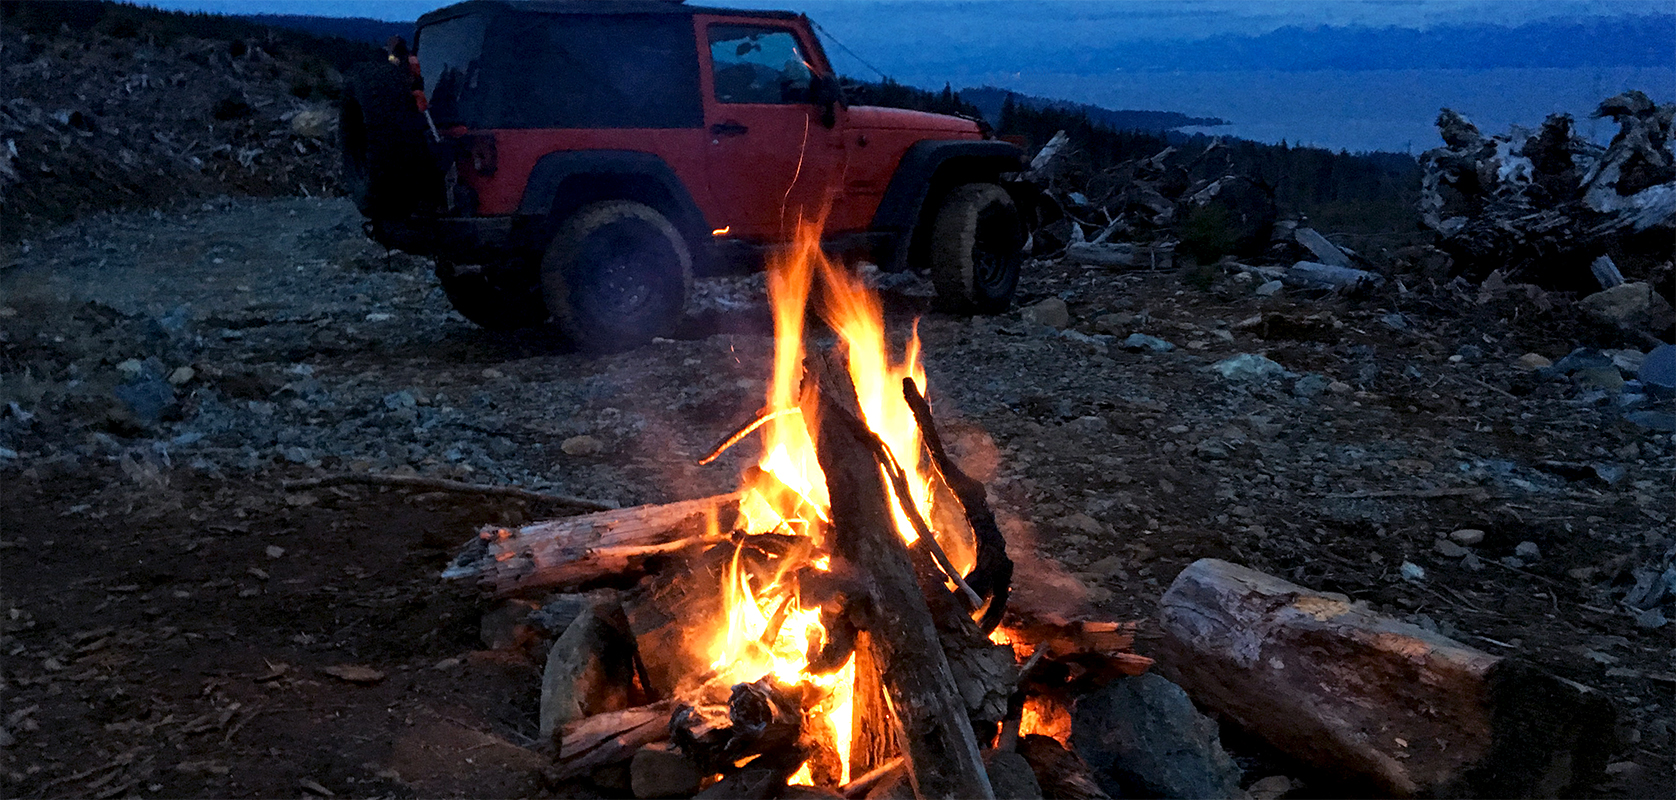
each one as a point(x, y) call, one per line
point(576, 551)
point(1354, 692)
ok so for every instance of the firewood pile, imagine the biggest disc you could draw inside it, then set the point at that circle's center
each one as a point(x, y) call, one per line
point(1544, 207)
point(839, 625)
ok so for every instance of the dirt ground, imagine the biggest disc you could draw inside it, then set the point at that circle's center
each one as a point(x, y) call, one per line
point(173, 617)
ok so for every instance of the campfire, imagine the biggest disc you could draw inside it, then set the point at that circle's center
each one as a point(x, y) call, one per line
point(838, 622)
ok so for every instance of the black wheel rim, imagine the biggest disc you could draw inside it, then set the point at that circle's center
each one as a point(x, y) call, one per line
point(626, 269)
point(995, 253)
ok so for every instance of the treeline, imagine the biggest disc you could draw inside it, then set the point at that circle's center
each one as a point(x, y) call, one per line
point(127, 21)
point(890, 94)
point(1342, 191)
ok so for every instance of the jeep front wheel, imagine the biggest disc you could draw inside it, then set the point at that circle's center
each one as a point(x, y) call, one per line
point(977, 247)
point(616, 274)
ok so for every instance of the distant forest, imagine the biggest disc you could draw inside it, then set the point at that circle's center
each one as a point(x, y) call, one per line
point(1349, 192)
point(127, 21)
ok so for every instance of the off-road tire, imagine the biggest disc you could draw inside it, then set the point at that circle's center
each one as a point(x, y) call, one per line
point(497, 297)
point(616, 274)
point(388, 169)
point(977, 247)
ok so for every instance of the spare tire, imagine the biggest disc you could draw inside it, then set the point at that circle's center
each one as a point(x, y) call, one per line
point(977, 248)
point(388, 168)
point(616, 274)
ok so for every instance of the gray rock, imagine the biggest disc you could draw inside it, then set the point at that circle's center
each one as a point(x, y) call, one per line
point(659, 770)
point(1449, 549)
point(1311, 385)
point(1658, 369)
point(1578, 359)
point(1396, 322)
point(1051, 312)
point(1607, 377)
point(147, 398)
point(1250, 367)
point(1651, 619)
point(1011, 776)
point(1467, 536)
point(1653, 420)
point(1270, 288)
point(1114, 324)
point(1528, 550)
point(590, 669)
point(1141, 736)
point(1314, 275)
point(1631, 306)
point(1324, 251)
point(1140, 341)
point(1212, 450)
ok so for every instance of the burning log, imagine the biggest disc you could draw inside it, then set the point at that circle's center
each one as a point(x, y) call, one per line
point(992, 576)
point(610, 738)
point(1061, 772)
point(1355, 692)
point(575, 551)
point(921, 691)
point(762, 719)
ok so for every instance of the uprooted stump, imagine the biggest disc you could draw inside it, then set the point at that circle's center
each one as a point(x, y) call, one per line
point(1334, 684)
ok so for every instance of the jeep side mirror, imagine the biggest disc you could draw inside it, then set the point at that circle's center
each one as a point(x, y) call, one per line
point(825, 92)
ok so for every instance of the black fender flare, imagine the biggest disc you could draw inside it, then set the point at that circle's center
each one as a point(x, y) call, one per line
point(925, 165)
point(647, 172)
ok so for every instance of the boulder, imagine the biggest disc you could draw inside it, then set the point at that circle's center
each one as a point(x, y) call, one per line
point(1142, 737)
point(590, 669)
point(1631, 306)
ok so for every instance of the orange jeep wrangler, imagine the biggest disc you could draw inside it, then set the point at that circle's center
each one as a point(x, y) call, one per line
point(578, 161)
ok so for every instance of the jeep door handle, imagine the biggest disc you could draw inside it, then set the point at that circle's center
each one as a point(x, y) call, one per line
point(729, 128)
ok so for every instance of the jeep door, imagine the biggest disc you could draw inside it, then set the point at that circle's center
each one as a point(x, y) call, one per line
point(770, 159)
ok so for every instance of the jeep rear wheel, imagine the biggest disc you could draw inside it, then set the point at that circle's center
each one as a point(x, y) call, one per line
point(616, 274)
point(977, 247)
point(499, 297)
point(388, 169)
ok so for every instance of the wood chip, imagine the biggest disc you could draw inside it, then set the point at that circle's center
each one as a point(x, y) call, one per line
point(355, 673)
point(312, 786)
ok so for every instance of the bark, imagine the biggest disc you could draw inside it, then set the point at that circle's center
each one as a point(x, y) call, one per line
point(611, 738)
point(1332, 683)
point(576, 551)
point(937, 739)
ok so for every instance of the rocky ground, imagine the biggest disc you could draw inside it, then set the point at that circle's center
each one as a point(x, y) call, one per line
point(177, 623)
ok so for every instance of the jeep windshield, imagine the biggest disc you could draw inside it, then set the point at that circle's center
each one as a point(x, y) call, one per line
point(561, 71)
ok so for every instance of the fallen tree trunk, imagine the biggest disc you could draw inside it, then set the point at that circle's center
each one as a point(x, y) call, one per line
point(1334, 684)
point(574, 551)
point(921, 693)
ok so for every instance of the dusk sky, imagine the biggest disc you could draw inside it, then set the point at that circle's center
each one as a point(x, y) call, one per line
point(1139, 54)
point(1119, 18)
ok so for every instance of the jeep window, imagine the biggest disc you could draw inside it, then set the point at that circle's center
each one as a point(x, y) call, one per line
point(567, 71)
point(450, 63)
point(752, 64)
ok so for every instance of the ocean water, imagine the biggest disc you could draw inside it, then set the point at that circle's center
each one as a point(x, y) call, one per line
point(1391, 110)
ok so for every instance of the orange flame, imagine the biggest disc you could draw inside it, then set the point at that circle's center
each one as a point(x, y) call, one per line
point(747, 649)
